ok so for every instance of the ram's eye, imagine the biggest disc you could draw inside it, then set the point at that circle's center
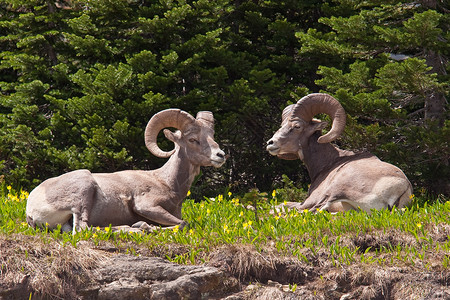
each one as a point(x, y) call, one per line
point(297, 125)
point(193, 140)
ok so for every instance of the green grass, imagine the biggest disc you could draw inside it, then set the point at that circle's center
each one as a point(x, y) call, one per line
point(417, 236)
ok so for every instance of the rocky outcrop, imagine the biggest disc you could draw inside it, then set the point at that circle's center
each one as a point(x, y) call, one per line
point(128, 277)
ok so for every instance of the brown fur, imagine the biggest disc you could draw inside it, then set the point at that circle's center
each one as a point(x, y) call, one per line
point(128, 197)
point(340, 180)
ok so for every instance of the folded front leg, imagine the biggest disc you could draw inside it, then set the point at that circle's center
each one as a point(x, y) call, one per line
point(159, 215)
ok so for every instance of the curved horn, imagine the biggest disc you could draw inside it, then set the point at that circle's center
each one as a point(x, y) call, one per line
point(206, 117)
point(286, 112)
point(167, 118)
point(313, 104)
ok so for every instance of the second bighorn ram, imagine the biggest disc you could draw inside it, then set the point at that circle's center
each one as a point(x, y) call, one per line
point(132, 196)
point(340, 180)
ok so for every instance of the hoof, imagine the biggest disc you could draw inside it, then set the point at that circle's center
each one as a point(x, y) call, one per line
point(183, 224)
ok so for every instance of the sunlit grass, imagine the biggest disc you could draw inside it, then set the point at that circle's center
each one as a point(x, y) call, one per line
point(414, 236)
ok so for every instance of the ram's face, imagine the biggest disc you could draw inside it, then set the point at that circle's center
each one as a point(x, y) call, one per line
point(201, 147)
point(197, 140)
point(285, 143)
point(293, 136)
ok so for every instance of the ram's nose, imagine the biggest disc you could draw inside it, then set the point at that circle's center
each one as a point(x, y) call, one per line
point(218, 158)
point(220, 154)
point(272, 147)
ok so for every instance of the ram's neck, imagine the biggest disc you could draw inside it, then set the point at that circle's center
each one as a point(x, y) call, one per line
point(319, 158)
point(178, 174)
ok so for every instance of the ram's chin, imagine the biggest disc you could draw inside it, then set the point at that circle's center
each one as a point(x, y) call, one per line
point(273, 151)
point(217, 164)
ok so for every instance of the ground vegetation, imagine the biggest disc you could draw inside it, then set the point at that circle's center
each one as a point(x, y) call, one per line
point(256, 250)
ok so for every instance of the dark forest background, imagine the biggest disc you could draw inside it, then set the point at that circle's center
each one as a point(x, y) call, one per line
point(80, 79)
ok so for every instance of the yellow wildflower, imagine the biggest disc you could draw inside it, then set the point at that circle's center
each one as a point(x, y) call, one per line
point(225, 228)
point(13, 198)
point(94, 235)
point(411, 196)
point(241, 214)
point(208, 211)
point(188, 193)
point(305, 211)
point(274, 193)
point(9, 187)
point(97, 228)
point(107, 229)
point(229, 194)
point(285, 202)
point(278, 216)
point(247, 224)
point(419, 225)
point(176, 228)
point(191, 232)
point(220, 197)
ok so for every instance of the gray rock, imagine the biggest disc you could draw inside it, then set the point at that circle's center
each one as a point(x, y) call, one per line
point(129, 277)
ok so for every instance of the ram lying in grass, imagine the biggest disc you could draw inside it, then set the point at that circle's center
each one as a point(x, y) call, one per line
point(80, 199)
point(340, 180)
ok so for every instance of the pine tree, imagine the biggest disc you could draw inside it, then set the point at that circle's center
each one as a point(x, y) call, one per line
point(80, 79)
point(387, 64)
point(29, 69)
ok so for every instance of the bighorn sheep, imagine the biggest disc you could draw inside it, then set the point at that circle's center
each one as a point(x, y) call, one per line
point(340, 180)
point(132, 196)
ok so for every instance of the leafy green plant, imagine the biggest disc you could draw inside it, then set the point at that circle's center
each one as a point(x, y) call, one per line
point(290, 192)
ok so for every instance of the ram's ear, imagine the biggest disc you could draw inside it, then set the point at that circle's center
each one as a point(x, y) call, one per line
point(317, 125)
point(172, 136)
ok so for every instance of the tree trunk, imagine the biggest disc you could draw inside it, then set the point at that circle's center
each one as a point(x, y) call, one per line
point(436, 101)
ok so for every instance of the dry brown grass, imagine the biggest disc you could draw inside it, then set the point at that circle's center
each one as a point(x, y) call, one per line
point(319, 279)
point(247, 264)
point(49, 269)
